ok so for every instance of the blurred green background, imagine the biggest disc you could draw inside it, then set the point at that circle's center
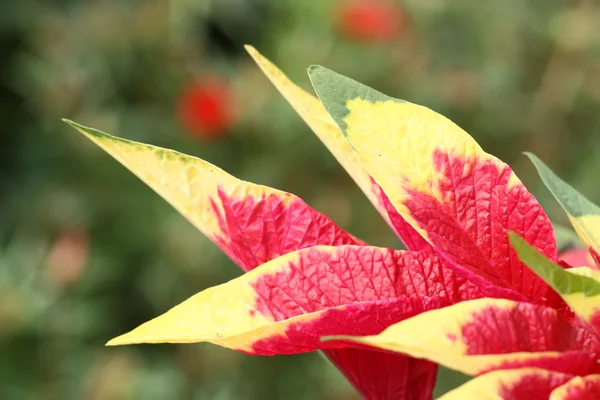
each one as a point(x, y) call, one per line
point(88, 252)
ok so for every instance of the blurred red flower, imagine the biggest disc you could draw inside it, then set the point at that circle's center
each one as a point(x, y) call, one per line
point(371, 20)
point(68, 257)
point(206, 108)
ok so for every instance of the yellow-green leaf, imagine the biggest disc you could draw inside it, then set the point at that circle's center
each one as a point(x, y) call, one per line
point(579, 287)
point(583, 214)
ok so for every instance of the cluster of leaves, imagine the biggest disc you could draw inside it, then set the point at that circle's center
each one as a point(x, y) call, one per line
point(481, 288)
point(87, 252)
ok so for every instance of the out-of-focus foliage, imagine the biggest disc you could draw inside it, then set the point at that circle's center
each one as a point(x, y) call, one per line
point(88, 252)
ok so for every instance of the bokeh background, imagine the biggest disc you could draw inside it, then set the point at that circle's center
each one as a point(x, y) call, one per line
point(88, 252)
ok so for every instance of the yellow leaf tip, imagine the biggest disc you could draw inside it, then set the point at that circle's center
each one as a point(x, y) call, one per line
point(79, 127)
point(71, 123)
point(256, 56)
point(113, 342)
point(119, 341)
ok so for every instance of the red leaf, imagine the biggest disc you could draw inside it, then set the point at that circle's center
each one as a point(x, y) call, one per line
point(471, 226)
point(254, 230)
point(384, 376)
point(330, 278)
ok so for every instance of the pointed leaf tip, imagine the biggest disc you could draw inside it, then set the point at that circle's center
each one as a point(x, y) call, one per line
point(71, 123)
point(91, 132)
point(583, 213)
point(574, 203)
point(334, 91)
point(123, 340)
point(339, 94)
point(314, 69)
point(250, 49)
point(114, 342)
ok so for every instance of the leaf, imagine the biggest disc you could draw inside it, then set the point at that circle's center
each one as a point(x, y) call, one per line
point(312, 112)
point(378, 375)
point(482, 335)
point(251, 223)
point(578, 388)
point(514, 384)
point(459, 198)
point(285, 305)
point(579, 287)
point(583, 214)
point(254, 224)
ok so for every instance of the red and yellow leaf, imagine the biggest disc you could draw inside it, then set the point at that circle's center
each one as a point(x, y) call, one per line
point(481, 335)
point(579, 287)
point(285, 305)
point(461, 199)
point(251, 223)
point(314, 114)
point(254, 224)
point(578, 388)
point(259, 335)
point(515, 384)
